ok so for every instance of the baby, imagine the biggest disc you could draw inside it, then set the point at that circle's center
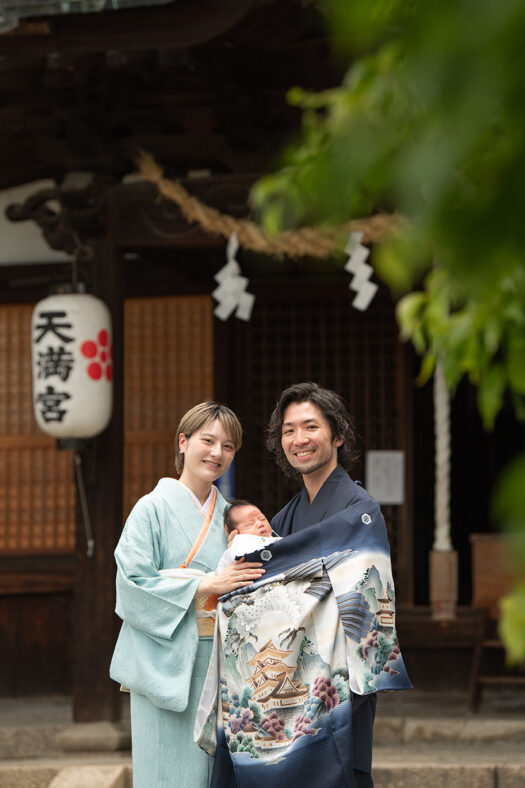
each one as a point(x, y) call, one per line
point(254, 531)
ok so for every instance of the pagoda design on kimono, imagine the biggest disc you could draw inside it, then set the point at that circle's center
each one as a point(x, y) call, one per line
point(272, 681)
point(292, 649)
point(385, 614)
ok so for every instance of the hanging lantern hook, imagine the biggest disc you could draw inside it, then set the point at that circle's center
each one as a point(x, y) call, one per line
point(83, 253)
point(83, 505)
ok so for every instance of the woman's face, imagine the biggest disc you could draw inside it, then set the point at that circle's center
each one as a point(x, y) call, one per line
point(208, 453)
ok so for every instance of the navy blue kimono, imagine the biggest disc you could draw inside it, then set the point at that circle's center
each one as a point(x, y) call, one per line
point(289, 699)
point(337, 493)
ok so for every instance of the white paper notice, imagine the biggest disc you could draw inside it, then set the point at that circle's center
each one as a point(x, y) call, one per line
point(385, 476)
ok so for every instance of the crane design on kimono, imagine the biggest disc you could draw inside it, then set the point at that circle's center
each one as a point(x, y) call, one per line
point(250, 610)
point(309, 578)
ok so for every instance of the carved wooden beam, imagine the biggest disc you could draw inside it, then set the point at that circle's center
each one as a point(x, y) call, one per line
point(81, 214)
point(181, 24)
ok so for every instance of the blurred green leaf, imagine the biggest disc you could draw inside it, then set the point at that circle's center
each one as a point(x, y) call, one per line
point(490, 394)
point(512, 624)
point(429, 121)
point(408, 312)
point(516, 362)
point(426, 371)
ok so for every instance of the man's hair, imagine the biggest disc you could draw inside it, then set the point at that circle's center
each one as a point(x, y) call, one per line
point(199, 415)
point(333, 409)
point(234, 504)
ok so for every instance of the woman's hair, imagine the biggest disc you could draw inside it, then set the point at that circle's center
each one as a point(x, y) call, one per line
point(199, 415)
point(333, 409)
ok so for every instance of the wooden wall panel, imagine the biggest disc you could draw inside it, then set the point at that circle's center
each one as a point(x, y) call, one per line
point(37, 496)
point(35, 644)
point(16, 411)
point(168, 368)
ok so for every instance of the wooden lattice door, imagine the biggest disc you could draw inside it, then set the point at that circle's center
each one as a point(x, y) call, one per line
point(168, 368)
point(37, 494)
point(314, 334)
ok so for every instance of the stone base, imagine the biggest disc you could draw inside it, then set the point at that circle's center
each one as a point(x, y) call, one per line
point(94, 736)
point(91, 777)
point(419, 776)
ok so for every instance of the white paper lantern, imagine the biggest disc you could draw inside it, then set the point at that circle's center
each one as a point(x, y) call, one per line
point(72, 360)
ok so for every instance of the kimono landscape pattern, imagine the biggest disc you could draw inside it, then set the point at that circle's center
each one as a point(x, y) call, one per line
point(292, 648)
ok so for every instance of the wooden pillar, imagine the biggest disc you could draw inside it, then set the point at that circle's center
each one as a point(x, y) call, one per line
point(95, 625)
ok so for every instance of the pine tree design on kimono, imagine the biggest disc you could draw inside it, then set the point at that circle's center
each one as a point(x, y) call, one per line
point(292, 647)
point(380, 649)
point(285, 682)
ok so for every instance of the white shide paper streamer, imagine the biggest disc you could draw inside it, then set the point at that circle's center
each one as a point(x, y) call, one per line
point(231, 293)
point(356, 265)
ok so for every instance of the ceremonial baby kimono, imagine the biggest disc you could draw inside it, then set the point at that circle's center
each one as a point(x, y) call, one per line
point(295, 648)
point(159, 655)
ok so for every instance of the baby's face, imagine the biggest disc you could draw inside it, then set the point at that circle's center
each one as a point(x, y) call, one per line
point(250, 520)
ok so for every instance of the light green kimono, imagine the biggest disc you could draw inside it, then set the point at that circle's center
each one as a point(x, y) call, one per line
point(158, 655)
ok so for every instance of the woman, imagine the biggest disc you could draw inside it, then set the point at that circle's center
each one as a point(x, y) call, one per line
point(163, 649)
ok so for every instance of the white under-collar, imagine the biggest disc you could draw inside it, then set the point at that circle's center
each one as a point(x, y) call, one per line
point(203, 508)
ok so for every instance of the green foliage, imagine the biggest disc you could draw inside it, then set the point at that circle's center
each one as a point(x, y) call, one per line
point(306, 647)
point(482, 337)
point(256, 710)
point(246, 695)
point(243, 743)
point(384, 647)
point(509, 506)
point(429, 121)
point(512, 625)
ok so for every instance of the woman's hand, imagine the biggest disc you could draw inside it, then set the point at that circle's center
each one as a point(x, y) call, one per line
point(239, 574)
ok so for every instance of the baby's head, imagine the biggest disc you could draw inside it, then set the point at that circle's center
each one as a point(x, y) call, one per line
point(246, 518)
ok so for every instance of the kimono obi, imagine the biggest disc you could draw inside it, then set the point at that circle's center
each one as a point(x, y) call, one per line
point(205, 616)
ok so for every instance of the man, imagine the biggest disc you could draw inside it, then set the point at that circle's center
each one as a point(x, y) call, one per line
point(311, 437)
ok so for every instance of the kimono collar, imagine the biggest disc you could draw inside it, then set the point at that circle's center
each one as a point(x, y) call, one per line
point(168, 487)
point(203, 508)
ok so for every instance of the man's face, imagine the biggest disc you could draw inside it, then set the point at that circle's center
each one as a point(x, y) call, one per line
point(307, 440)
point(250, 520)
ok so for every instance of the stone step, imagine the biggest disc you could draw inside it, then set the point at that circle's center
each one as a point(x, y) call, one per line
point(47, 741)
point(92, 777)
point(394, 767)
point(92, 771)
point(473, 729)
point(441, 765)
point(38, 741)
point(448, 776)
point(29, 741)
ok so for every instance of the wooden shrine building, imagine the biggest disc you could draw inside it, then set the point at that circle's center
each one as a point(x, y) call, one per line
point(201, 85)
